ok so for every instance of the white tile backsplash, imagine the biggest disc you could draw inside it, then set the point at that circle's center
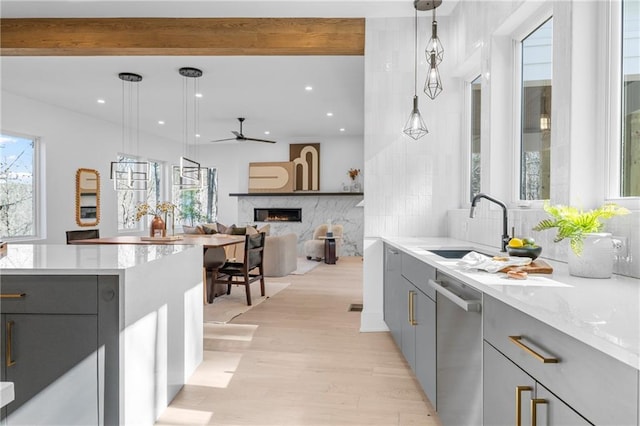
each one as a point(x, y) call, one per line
point(486, 228)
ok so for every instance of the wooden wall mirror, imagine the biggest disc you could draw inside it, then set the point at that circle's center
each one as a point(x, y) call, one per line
point(87, 197)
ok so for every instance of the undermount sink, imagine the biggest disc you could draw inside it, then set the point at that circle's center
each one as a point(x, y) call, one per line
point(454, 253)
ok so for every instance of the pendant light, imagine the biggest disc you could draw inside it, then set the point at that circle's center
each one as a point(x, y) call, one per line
point(415, 127)
point(434, 45)
point(433, 85)
point(130, 175)
point(190, 176)
point(434, 52)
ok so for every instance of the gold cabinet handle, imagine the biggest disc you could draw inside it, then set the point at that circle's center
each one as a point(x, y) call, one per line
point(534, 405)
point(517, 340)
point(9, 361)
point(12, 295)
point(412, 319)
point(519, 390)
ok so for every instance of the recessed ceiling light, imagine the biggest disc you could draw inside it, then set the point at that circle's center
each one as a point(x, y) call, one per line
point(266, 132)
point(197, 135)
point(308, 88)
point(329, 114)
point(160, 122)
point(198, 95)
point(342, 129)
point(102, 101)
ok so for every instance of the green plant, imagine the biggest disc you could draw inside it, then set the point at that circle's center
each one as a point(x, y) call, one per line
point(573, 223)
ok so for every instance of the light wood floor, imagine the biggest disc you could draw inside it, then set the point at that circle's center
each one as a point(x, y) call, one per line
point(299, 359)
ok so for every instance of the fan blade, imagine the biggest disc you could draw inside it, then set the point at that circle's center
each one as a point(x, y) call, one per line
point(257, 140)
point(224, 140)
point(238, 135)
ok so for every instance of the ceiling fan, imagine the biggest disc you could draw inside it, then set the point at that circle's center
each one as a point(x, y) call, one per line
point(241, 137)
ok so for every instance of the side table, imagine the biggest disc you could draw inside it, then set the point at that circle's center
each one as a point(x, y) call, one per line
point(330, 249)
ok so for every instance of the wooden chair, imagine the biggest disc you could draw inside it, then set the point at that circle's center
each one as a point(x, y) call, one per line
point(82, 234)
point(246, 272)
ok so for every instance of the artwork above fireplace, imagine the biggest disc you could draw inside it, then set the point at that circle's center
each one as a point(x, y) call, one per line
point(277, 215)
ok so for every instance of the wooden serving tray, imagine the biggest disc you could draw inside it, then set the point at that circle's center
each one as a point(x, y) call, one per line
point(536, 267)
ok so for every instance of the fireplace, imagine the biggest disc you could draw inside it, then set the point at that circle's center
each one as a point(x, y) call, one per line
point(277, 215)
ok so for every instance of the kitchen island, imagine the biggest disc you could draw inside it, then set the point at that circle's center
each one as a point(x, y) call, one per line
point(98, 334)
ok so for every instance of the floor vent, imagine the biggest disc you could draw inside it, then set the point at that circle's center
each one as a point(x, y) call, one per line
point(355, 307)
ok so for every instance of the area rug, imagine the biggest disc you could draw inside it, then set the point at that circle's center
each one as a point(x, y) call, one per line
point(229, 306)
point(305, 265)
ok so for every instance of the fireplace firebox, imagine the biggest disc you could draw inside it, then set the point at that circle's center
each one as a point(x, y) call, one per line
point(277, 215)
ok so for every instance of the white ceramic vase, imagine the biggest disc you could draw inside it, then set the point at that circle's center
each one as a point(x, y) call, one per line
point(597, 257)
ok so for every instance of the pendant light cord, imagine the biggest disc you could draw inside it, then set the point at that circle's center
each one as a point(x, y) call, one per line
point(415, 54)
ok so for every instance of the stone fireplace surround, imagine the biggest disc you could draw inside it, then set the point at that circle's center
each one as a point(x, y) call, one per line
point(317, 209)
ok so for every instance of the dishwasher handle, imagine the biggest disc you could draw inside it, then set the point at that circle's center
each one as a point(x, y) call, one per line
point(467, 305)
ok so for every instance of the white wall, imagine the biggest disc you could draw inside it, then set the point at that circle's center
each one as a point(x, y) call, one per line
point(413, 186)
point(71, 141)
point(410, 184)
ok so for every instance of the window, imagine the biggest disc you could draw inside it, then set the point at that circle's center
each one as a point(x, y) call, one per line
point(535, 107)
point(196, 204)
point(18, 177)
point(128, 199)
point(630, 87)
point(474, 135)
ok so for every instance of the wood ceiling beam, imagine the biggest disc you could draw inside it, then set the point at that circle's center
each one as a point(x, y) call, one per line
point(181, 36)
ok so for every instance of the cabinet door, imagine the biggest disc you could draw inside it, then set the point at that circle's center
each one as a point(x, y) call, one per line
point(552, 411)
point(505, 382)
point(409, 293)
point(394, 301)
point(425, 332)
point(501, 381)
point(53, 363)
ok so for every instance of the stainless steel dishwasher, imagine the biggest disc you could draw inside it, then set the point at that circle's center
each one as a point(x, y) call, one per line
point(459, 351)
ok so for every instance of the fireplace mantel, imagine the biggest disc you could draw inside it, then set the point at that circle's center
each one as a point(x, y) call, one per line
point(292, 194)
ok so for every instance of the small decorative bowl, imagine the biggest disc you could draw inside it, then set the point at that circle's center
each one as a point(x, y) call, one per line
point(532, 252)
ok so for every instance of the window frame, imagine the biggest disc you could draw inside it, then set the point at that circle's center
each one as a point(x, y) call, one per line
point(143, 225)
point(206, 173)
point(533, 22)
point(538, 20)
point(468, 98)
point(38, 182)
point(614, 109)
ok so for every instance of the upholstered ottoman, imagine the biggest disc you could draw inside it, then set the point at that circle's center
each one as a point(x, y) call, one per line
point(280, 255)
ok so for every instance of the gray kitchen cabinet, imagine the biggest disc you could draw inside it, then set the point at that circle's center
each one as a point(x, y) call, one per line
point(562, 369)
point(394, 303)
point(408, 340)
point(511, 396)
point(409, 311)
point(52, 359)
point(425, 344)
point(419, 329)
point(51, 351)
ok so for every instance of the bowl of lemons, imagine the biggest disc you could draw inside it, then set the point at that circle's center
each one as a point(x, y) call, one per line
point(524, 247)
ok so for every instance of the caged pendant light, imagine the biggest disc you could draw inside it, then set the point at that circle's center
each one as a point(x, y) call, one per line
point(415, 127)
point(434, 52)
point(127, 173)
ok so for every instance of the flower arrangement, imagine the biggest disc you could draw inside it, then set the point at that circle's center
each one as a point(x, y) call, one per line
point(353, 173)
point(160, 209)
point(573, 223)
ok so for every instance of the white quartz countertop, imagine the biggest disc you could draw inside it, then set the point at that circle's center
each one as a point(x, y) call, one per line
point(59, 259)
point(602, 313)
point(7, 393)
